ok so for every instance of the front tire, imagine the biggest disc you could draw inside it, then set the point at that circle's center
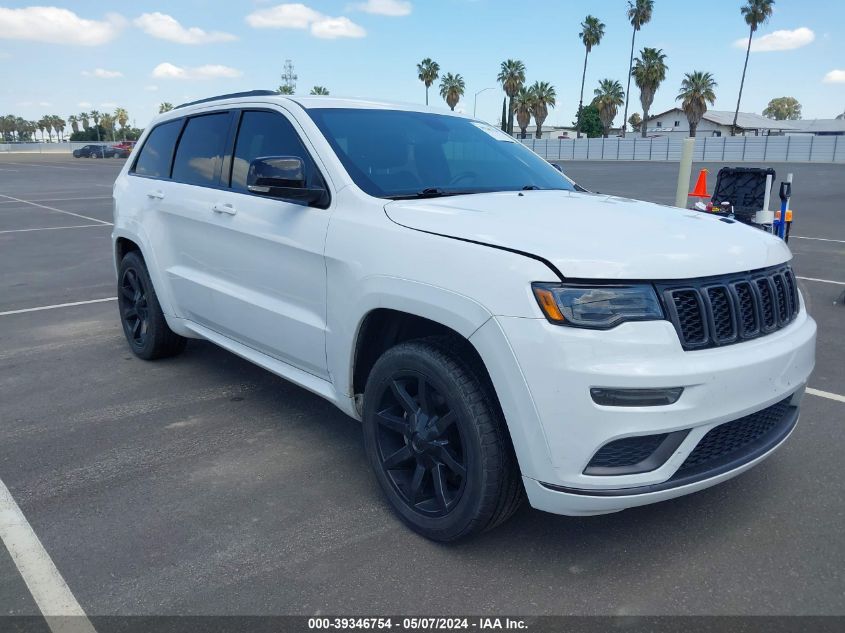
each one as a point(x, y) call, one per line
point(144, 325)
point(436, 439)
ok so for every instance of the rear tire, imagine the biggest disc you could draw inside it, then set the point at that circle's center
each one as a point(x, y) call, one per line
point(436, 439)
point(144, 325)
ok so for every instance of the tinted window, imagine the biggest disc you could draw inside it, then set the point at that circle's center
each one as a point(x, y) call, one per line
point(264, 134)
point(393, 153)
point(154, 159)
point(200, 152)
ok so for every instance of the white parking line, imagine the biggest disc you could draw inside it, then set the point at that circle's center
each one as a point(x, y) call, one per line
point(44, 206)
point(49, 590)
point(825, 394)
point(59, 199)
point(52, 228)
point(818, 239)
point(58, 305)
point(824, 281)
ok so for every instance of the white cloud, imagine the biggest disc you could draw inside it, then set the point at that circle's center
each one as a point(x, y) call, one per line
point(84, 104)
point(151, 88)
point(333, 28)
point(779, 40)
point(166, 70)
point(57, 26)
point(384, 7)
point(835, 77)
point(102, 73)
point(299, 16)
point(283, 16)
point(165, 27)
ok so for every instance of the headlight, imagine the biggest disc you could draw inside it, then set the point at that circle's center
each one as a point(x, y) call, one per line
point(597, 307)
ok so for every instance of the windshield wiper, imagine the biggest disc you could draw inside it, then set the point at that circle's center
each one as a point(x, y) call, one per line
point(432, 192)
point(531, 188)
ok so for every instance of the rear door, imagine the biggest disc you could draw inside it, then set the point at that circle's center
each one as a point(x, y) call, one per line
point(262, 258)
point(193, 239)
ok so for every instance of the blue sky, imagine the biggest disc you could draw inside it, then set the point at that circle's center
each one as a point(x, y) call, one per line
point(82, 55)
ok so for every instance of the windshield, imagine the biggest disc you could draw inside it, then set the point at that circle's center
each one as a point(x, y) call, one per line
point(397, 154)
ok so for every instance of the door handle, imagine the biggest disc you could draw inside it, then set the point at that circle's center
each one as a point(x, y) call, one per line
point(226, 208)
point(156, 195)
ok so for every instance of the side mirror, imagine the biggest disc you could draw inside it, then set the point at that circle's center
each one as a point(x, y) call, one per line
point(281, 177)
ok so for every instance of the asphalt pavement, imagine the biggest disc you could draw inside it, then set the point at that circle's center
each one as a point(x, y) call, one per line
point(205, 485)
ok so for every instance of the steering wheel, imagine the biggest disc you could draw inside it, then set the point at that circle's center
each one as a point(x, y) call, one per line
point(463, 176)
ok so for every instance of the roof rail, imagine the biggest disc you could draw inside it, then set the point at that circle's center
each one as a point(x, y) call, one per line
point(249, 93)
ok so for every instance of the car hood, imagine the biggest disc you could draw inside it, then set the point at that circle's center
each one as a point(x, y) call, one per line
point(597, 236)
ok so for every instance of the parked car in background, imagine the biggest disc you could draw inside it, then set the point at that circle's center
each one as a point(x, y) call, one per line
point(101, 151)
point(125, 145)
point(90, 151)
point(497, 331)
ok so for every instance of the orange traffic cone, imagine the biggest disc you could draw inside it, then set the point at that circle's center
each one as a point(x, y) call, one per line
point(700, 190)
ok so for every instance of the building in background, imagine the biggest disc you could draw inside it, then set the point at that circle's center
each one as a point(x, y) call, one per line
point(819, 127)
point(716, 123)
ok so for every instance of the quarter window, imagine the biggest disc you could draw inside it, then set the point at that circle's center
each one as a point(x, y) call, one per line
point(201, 148)
point(157, 152)
point(264, 134)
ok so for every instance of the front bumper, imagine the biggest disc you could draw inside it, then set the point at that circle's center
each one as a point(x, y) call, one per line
point(559, 365)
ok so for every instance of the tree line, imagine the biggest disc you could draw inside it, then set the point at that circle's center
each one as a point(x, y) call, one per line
point(85, 126)
point(648, 71)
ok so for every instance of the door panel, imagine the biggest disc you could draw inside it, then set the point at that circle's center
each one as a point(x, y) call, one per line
point(251, 267)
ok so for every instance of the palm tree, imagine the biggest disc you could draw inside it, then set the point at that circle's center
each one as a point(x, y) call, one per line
point(523, 105)
point(639, 14)
point(544, 98)
point(84, 116)
point(428, 71)
point(165, 107)
point(512, 78)
point(756, 12)
point(696, 92)
point(319, 90)
point(74, 123)
point(122, 118)
point(95, 117)
point(58, 125)
point(452, 89)
point(592, 30)
point(609, 96)
point(649, 72)
point(44, 124)
point(286, 90)
point(107, 120)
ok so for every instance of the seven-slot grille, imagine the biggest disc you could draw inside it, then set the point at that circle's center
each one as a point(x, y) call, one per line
point(724, 310)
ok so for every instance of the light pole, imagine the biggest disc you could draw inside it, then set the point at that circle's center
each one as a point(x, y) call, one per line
point(475, 99)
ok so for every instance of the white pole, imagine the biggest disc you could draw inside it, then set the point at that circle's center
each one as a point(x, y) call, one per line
point(765, 216)
point(684, 172)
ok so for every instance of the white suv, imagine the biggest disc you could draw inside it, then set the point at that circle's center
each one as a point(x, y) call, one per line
point(496, 331)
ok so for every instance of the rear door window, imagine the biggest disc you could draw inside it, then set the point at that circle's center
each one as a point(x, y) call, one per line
point(157, 152)
point(199, 156)
point(265, 134)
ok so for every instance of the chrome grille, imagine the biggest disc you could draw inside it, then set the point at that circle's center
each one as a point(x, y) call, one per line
point(725, 310)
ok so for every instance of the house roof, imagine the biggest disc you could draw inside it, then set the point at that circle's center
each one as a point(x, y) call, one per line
point(745, 120)
point(819, 125)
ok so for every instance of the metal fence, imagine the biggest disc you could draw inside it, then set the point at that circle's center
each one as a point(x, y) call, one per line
point(786, 149)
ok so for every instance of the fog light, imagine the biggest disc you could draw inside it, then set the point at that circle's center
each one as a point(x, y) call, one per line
point(635, 397)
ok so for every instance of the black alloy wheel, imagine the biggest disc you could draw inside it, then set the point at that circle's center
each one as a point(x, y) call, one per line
point(143, 321)
point(133, 308)
point(437, 441)
point(420, 446)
